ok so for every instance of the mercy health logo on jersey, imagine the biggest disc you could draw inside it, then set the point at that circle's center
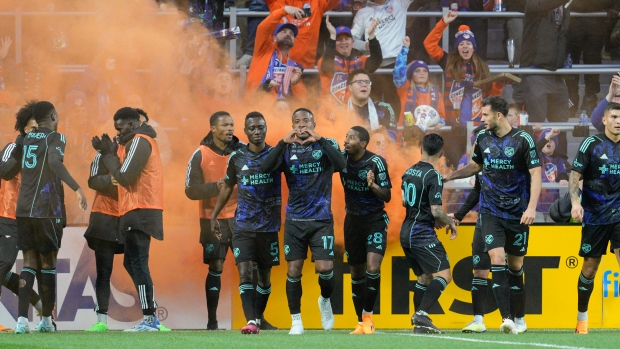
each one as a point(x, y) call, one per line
point(610, 284)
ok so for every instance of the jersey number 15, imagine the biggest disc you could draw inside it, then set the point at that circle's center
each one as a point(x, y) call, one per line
point(29, 159)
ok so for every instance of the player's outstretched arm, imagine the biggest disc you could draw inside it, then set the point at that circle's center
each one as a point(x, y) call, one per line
point(573, 190)
point(442, 217)
point(195, 188)
point(274, 159)
point(56, 165)
point(467, 171)
point(472, 200)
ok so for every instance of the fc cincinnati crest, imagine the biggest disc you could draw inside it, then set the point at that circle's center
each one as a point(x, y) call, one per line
point(338, 87)
point(509, 151)
point(362, 174)
point(317, 154)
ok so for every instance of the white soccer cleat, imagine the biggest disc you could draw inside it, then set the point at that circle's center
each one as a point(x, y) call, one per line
point(297, 327)
point(327, 315)
point(508, 327)
point(474, 327)
point(520, 324)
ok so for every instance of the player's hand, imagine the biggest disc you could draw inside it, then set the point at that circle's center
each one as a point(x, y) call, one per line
point(114, 181)
point(456, 221)
point(406, 41)
point(528, 216)
point(81, 198)
point(314, 137)
point(215, 229)
point(450, 16)
point(439, 224)
point(296, 12)
point(446, 178)
point(577, 212)
point(330, 28)
point(451, 228)
point(96, 142)
point(370, 178)
point(5, 45)
point(220, 183)
point(371, 28)
point(291, 137)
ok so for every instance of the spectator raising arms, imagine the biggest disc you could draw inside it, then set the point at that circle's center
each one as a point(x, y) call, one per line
point(272, 69)
point(309, 24)
point(462, 67)
point(340, 59)
point(414, 88)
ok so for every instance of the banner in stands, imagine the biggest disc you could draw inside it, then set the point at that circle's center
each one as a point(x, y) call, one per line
point(552, 267)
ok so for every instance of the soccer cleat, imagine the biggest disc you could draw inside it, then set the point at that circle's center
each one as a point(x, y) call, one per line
point(163, 328)
point(212, 326)
point(359, 329)
point(144, 326)
point(423, 321)
point(508, 327)
point(21, 328)
point(266, 326)
point(582, 327)
point(474, 327)
point(420, 330)
point(42, 327)
point(297, 328)
point(5, 329)
point(250, 328)
point(98, 327)
point(520, 325)
point(327, 316)
point(369, 326)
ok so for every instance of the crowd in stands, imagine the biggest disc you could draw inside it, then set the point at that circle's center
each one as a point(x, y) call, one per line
point(347, 51)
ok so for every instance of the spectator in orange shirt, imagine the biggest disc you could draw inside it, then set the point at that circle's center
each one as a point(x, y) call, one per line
point(272, 70)
point(309, 25)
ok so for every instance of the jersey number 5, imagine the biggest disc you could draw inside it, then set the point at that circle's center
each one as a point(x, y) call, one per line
point(29, 159)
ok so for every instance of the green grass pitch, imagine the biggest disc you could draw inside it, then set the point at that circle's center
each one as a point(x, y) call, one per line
point(311, 339)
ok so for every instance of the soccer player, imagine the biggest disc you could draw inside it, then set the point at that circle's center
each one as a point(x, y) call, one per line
point(421, 191)
point(598, 164)
point(366, 183)
point(136, 166)
point(510, 186)
point(205, 176)
point(103, 236)
point(40, 212)
point(257, 219)
point(10, 166)
point(308, 161)
point(481, 262)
